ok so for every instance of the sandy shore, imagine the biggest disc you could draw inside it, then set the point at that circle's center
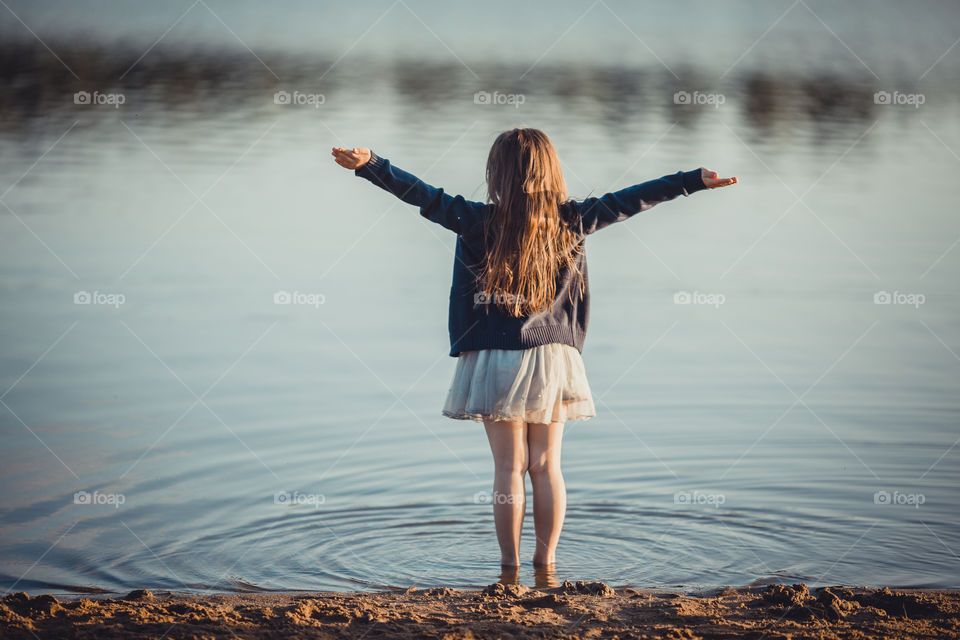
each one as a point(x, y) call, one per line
point(572, 610)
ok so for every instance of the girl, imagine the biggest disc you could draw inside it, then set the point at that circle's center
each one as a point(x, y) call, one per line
point(519, 308)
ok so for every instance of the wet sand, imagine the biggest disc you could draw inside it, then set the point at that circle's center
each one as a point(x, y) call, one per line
point(572, 610)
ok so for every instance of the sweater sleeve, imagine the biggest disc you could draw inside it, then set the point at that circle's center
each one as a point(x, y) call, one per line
point(453, 212)
point(596, 213)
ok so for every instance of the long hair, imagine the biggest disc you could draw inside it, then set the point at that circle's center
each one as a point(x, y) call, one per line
point(526, 242)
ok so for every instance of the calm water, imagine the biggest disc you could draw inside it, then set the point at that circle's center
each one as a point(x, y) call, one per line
point(783, 426)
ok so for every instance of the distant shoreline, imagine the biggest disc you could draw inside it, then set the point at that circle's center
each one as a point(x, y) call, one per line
point(571, 610)
point(104, 81)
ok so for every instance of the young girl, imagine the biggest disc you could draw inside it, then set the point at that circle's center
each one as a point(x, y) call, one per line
point(519, 308)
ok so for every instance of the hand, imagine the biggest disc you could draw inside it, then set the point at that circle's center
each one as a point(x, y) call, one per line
point(713, 180)
point(351, 158)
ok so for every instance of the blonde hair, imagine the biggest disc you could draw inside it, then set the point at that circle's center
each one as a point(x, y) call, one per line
point(526, 241)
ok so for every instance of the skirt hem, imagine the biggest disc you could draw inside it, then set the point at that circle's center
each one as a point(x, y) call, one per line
point(481, 417)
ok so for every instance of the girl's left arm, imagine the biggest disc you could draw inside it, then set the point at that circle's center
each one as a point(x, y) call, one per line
point(453, 212)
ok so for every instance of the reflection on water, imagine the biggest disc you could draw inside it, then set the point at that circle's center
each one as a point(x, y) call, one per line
point(749, 441)
point(210, 84)
point(177, 93)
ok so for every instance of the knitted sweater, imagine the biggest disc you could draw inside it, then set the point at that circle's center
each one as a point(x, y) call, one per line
point(474, 322)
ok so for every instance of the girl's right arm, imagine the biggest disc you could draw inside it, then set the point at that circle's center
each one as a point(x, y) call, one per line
point(597, 213)
point(452, 212)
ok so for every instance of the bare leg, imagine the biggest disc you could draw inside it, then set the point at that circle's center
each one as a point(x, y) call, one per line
point(508, 442)
point(549, 491)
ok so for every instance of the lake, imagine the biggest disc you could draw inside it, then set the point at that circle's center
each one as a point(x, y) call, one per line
point(224, 356)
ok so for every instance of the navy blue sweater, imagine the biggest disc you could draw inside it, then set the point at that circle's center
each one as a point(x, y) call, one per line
point(474, 324)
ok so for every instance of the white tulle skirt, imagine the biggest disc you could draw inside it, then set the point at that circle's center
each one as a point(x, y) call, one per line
point(541, 384)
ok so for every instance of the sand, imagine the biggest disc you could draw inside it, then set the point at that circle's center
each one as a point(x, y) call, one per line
point(572, 610)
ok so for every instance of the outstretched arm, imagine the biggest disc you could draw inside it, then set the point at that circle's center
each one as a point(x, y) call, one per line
point(453, 212)
point(596, 213)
